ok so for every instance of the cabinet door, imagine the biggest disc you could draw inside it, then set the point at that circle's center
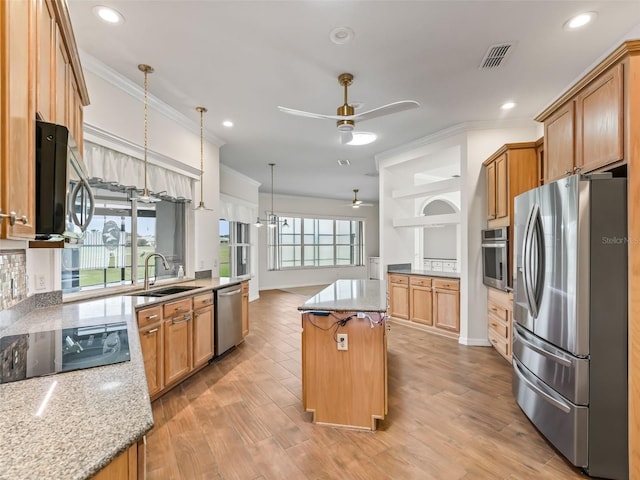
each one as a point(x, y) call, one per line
point(17, 108)
point(559, 143)
point(446, 309)
point(177, 348)
point(502, 187)
point(399, 296)
point(61, 81)
point(152, 352)
point(202, 336)
point(491, 191)
point(45, 75)
point(599, 115)
point(421, 305)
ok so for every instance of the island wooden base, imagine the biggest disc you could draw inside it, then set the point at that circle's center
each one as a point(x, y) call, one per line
point(344, 388)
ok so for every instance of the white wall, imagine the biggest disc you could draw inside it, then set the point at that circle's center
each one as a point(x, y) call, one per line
point(315, 207)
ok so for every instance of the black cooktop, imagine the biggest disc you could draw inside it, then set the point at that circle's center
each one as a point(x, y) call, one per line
point(56, 351)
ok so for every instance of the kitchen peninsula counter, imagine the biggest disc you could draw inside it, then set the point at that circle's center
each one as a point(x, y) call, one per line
point(345, 384)
point(72, 424)
point(423, 273)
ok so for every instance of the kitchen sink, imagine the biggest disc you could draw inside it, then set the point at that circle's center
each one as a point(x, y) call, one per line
point(163, 292)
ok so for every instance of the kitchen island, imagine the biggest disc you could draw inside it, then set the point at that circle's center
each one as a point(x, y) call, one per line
point(344, 354)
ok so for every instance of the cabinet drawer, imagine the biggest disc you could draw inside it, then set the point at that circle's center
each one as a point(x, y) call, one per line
point(497, 311)
point(420, 281)
point(500, 344)
point(149, 316)
point(446, 284)
point(177, 308)
point(499, 328)
point(203, 300)
point(402, 279)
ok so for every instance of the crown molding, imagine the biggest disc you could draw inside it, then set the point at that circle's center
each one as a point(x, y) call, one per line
point(121, 82)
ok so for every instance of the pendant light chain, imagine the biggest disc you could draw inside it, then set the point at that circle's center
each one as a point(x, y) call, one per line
point(146, 69)
point(202, 111)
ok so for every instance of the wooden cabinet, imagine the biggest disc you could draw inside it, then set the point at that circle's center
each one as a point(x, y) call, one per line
point(491, 190)
point(420, 300)
point(432, 302)
point(245, 309)
point(446, 304)
point(202, 329)
point(150, 330)
point(399, 296)
point(178, 338)
point(17, 118)
point(586, 132)
point(499, 321)
point(540, 159)
point(129, 465)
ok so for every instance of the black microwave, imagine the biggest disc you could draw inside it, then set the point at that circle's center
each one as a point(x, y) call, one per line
point(64, 199)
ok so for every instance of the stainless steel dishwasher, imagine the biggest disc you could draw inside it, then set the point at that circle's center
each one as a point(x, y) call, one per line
point(228, 318)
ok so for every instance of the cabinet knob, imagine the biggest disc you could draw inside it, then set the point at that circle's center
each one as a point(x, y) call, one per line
point(568, 172)
point(577, 169)
point(13, 217)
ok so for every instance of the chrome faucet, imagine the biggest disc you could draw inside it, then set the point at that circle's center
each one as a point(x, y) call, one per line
point(165, 264)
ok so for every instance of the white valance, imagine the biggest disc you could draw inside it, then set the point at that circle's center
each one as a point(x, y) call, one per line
point(237, 210)
point(118, 169)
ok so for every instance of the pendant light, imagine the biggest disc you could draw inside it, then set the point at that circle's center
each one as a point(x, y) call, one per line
point(272, 218)
point(202, 111)
point(146, 197)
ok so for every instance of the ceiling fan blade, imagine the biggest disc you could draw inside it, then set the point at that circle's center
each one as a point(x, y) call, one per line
point(302, 113)
point(394, 107)
point(345, 137)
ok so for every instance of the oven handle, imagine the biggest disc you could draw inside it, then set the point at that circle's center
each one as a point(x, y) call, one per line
point(494, 245)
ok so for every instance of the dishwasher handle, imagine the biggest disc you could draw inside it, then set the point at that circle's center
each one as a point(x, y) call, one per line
point(228, 294)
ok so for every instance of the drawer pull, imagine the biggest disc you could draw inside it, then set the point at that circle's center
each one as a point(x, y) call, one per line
point(153, 330)
point(151, 317)
point(186, 318)
point(494, 325)
point(493, 341)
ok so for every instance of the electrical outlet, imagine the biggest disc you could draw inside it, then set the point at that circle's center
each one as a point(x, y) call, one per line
point(41, 282)
point(343, 341)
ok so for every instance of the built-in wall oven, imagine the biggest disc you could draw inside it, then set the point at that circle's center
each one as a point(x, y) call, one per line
point(495, 257)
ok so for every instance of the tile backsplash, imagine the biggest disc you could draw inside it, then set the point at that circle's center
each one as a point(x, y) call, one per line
point(13, 277)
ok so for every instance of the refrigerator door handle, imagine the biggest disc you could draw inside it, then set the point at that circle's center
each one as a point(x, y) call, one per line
point(551, 356)
point(526, 263)
point(538, 282)
point(545, 396)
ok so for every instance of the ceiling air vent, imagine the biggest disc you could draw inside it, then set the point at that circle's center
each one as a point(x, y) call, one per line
point(495, 55)
point(343, 162)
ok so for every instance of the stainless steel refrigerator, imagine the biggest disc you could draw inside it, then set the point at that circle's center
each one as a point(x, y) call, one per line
point(570, 318)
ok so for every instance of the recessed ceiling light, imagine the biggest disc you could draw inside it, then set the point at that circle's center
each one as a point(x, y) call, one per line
point(341, 35)
point(227, 123)
point(108, 15)
point(362, 138)
point(508, 105)
point(579, 20)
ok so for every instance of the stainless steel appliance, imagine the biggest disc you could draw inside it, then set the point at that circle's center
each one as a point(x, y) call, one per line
point(53, 351)
point(495, 257)
point(228, 318)
point(570, 312)
point(64, 198)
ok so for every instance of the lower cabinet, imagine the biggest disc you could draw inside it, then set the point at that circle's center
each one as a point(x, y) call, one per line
point(245, 308)
point(430, 301)
point(499, 321)
point(129, 465)
point(176, 339)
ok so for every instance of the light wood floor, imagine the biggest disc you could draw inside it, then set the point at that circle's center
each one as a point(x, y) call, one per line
point(451, 415)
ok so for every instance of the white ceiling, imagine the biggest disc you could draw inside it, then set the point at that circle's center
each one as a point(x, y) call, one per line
point(241, 59)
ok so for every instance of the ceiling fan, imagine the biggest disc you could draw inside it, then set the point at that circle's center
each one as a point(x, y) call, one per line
point(355, 203)
point(346, 116)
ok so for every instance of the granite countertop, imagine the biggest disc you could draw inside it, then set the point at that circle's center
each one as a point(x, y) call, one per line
point(426, 273)
point(349, 296)
point(70, 425)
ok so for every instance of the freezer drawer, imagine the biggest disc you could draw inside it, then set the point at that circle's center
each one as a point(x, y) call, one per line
point(564, 373)
point(564, 424)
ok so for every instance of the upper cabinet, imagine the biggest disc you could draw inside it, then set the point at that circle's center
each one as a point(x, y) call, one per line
point(33, 80)
point(510, 171)
point(584, 130)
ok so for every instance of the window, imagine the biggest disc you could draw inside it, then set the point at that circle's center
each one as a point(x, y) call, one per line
point(315, 242)
point(121, 235)
point(235, 247)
